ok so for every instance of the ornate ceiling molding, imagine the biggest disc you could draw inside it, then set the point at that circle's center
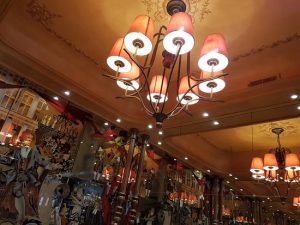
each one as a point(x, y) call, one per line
point(45, 17)
point(253, 51)
point(198, 9)
point(290, 128)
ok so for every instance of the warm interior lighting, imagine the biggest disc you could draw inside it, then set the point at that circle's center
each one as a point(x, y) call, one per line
point(296, 201)
point(190, 97)
point(292, 162)
point(139, 38)
point(213, 85)
point(257, 165)
point(270, 162)
point(291, 176)
point(213, 56)
point(271, 175)
point(258, 176)
point(129, 81)
point(158, 89)
point(118, 59)
point(179, 32)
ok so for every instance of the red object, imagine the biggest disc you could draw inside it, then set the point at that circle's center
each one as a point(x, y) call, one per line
point(150, 154)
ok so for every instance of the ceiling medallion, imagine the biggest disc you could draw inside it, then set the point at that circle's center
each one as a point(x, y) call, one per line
point(177, 38)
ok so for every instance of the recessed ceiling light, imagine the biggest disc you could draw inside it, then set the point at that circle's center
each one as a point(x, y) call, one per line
point(118, 120)
point(263, 201)
point(208, 171)
point(230, 189)
point(56, 98)
point(230, 174)
point(81, 142)
point(186, 158)
point(228, 182)
point(298, 107)
point(268, 198)
point(175, 159)
point(92, 146)
point(205, 114)
point(236, 178)
point(159, 143)
point(148, 145)
point(216, 123)
point(241, 189)
point(150, 126)
point(67, 93)
point(294, 96)
point(106, 124)
point(160, 132)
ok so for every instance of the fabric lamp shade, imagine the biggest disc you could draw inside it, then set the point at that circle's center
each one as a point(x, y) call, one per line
point(271, 175)
point(270, 162)
point(158, 89)
point(292, 162)
point(296, 201)
point(129, 81)
point(179, 31)
point(213, 55)
point(257, 166)
point(139, 38)
point(190, 97)
point(118, 60)
point(213, 85)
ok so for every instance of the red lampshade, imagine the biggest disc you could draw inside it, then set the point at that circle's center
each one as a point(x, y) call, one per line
point(190, 98)
point(158, 83)
point(140, 35)
point(270, 162)
point(292, 162)
point(118, 59)
point(296, 201)
point(271, 175)
point(214, 85)
point(257, 165)
point(131, 78)
point(180, 31)
point(213, 56)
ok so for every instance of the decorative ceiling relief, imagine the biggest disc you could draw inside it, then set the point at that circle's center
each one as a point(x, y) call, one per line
point(45, 17)
point(198, 9)
point(290, 128)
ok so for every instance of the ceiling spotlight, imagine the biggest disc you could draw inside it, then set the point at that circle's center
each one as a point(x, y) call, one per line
point(241, 189)
point(56, 98)
point(294, 96)
point(228, 182)
point(268, 198)
point(186, 158)
point(81, 142)
point(106, 124)
point(159, 143)
point(230, 189)
point(263, 201)
point(230, 174)
point(67, 93)
point(148, 145)
point(150, 126)
point(298, 107)
point(216, 123)
point(205, 114)
point(236, 178)
point(208, 171)
point(92, 146)
point(175, 159)
point(160, 132)
point(118, 120)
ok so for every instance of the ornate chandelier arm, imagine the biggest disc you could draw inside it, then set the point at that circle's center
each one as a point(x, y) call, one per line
point(179, 46)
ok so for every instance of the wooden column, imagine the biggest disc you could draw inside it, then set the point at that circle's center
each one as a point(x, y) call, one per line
point(122, 192)
point(215, 194)
point(135, 199)
point(221, 201)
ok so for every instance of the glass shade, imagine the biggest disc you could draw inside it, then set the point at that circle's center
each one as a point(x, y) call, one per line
point(214, 85)
point(118, 60)
point(213, 56)
point(271, 175)
point(158, 89)
point(190, 98)
point(180, 31)
point(291, 176)
point(129, 81)
point(139, 38)
point(258, 176)
point(292, 162)
point(257, 165)
point(270, 162)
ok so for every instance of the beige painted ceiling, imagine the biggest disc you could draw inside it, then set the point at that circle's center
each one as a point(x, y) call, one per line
point(64, 44)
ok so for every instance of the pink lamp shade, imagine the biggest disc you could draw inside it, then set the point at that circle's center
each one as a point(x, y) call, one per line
point(292, 162)
point(214, 85)
point(180, 31)
point(139, 38)
point(291, 176)
point(271, 175)
point(213, 56)
point(190, 97)
point(258, 176)
point(257, 166)
point(118, 60)
point(129, 81)
point(270, 162)
point(158, 83)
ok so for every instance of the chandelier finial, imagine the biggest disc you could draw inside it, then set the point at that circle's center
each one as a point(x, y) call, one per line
point(175, 6)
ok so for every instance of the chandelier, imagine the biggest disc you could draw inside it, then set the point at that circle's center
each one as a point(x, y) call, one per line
point(280, 164)
point(152, 90)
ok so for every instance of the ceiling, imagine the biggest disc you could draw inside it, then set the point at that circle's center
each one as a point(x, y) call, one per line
point(64, 45)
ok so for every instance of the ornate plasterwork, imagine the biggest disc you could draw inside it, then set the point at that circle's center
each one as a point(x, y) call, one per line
point(198, 9)
point(290, 128)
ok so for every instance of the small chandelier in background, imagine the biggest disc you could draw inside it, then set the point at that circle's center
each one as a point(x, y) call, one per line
point(279, 164)
point(178, 40)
